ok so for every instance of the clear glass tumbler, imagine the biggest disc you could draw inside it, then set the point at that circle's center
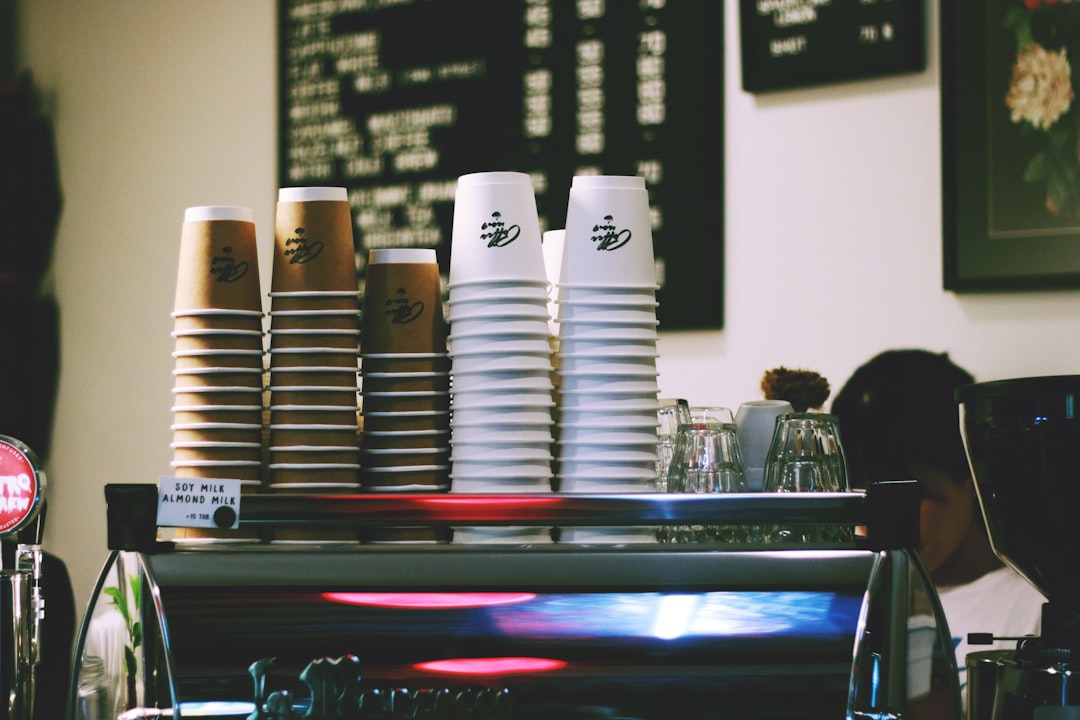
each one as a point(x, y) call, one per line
point(707, 460)
point(806, 455)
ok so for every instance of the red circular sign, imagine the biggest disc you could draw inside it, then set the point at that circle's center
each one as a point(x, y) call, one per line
point(20, 486)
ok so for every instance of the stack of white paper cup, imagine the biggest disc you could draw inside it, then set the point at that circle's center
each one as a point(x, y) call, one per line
point(217, 408)
point(607, 348)
point(405, 379)
point(314, 344)
point(501, 425)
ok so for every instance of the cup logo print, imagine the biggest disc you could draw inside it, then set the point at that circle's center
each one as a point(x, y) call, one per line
point(226, 268)
point(401, 310)
point(608, 236)
point(498, 234)
point(18, 487)
point(303, 250)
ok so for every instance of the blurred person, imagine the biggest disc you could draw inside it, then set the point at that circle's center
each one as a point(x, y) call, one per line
point(899, 420)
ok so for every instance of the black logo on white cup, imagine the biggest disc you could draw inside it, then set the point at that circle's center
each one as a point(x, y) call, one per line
point(608, 236)
point(498, 234)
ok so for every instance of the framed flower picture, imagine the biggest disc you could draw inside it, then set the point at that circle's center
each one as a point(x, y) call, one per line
point(1010, 144)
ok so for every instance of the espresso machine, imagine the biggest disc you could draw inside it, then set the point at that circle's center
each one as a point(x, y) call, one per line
point(1022, 438)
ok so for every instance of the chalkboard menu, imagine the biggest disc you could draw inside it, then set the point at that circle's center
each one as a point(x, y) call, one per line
point(394, 99)
point(791, 43)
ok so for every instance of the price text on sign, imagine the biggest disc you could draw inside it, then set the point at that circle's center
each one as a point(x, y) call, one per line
point(793, 43)
point(195, 503)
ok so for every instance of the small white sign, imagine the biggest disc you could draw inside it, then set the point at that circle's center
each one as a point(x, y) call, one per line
point(198, 503)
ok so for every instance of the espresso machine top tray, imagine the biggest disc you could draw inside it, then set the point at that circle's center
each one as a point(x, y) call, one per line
point(543, 631)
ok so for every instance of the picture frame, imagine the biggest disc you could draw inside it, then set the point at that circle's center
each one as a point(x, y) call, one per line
point(1010, 120)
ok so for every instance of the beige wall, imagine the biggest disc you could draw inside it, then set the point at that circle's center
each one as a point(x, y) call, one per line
point(833, 230)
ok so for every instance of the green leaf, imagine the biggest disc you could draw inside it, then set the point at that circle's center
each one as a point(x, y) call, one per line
point(118, 601)
point(130, 661)
point(1018, 20)
point(136, 634)
point(136, 590)
point(1037, 168)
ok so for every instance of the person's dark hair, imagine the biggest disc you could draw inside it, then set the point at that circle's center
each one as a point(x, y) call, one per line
point(901, 405)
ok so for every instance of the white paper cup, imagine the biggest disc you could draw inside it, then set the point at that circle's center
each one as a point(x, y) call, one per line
point(608, 232)
point(628, 385)
point(603, 453)
point(607, 435)
point(535, 435)
point(570, 329)
point(502, 380)
point(571, 363)
point(611, 402)
point(643, 471)
point(536, 361)
point(497, 310)
point(604, 485)
point(524, 452)
point(582, 347)
point(497, 474)
point(497, 345)
point(501, 416)
point(512, 290)
point(608, 314)
point(607, 295)
point(496, 230)
point(494, 399)
point(532, 328)
point(609, 419)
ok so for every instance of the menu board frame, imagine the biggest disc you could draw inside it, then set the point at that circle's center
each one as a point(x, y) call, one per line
point(687, 197)
point(796, 43)
point(1000, 232)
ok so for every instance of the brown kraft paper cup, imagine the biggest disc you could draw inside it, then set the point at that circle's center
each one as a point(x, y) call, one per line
point(313, 243)
point(218, 265)
point(403, 309)
point(405, 363)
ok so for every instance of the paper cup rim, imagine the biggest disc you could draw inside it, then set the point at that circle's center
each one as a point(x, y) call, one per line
point(208, 332)
point(312, 486)
point(402, 256)
point(608, 286)
point(313, 426)
point(407, 414)
point(403, 356)
point(313, 294)
point(313, 448)
point(310, 408)
point(215, 426)
point(407, 375)
point(313, 466)
point(212, 390)
point(312, 388)
point(406, 451)
point(217, 408)
point(312, 351)
point(215, 352)
point(494, 177)
point(203, 213)
point(412, 394)
point(406, 469)
point(215, 463)
point(313, 193)
point(211, 444)
point(329, 369)
point(405, 433)
point(505, 280)
point(323, 312)
point(217, 370)
point(217, 312)
point(609, 182)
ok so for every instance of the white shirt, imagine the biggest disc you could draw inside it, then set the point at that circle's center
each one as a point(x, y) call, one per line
point(1000, 602)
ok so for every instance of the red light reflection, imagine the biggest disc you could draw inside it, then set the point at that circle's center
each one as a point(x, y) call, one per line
point(428, 600)
point(492, 666)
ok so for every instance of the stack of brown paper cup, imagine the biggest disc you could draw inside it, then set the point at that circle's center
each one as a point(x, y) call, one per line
point(500, 348)
point(405, 377)
point(217, 408)
point(607, 377)
point(314, 335)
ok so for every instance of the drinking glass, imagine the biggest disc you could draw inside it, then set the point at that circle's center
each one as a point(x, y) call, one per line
point(711, 415)
point(673, 412)
point(707, 460)
point(806, 455)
